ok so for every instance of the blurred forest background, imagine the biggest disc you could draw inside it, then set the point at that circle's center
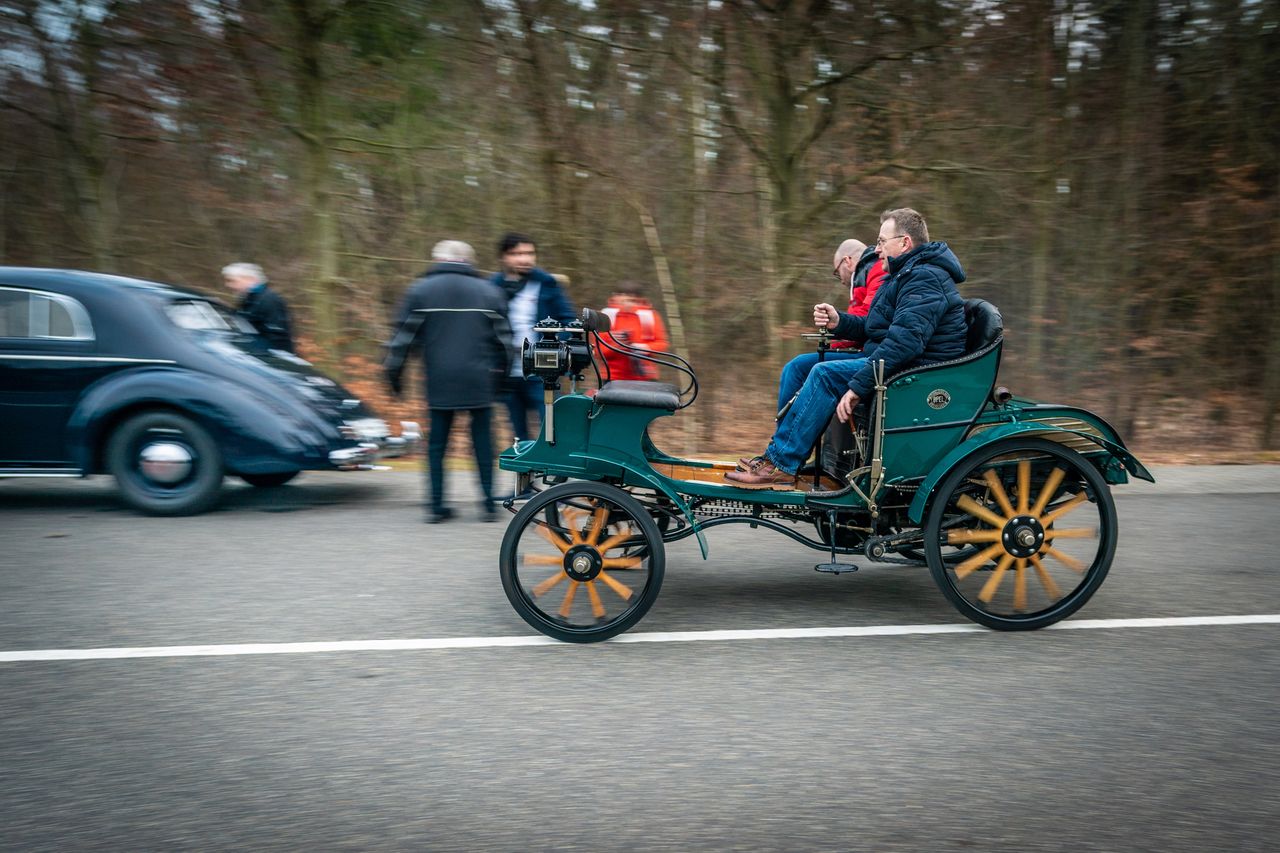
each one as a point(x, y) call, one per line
point(1107, 172)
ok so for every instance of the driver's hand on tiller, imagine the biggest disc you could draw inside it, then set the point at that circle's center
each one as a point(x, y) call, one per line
point(825, 315)
point(844, 409)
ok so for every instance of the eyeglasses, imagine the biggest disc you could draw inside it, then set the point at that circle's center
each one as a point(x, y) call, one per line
point(836, 272)
point(881, 241)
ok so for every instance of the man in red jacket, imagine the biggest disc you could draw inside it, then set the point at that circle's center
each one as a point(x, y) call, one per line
point(861, 270)
point(634, 322)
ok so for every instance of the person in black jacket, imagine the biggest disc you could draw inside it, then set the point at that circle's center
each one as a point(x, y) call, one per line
point(259, 304)
point(459, 321)
point(917, 317)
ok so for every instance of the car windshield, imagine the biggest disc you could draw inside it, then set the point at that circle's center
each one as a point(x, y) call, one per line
point(206, 317)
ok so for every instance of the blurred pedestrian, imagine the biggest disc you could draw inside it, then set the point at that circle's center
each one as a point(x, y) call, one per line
point(460, 324)
point(633, 322)
point(532, 294)
point(261, 306)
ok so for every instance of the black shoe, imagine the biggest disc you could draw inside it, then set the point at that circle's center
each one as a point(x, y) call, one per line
point(439, 516)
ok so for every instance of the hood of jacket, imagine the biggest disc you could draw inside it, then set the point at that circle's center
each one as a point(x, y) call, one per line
point(936, 253)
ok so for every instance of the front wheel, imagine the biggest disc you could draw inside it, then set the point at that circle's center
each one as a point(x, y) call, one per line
point(1044, 523)
point(165, 464)
point(582, 562)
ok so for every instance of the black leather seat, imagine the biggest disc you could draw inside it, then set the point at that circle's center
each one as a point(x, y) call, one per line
point(985, 324)
point(630, 392)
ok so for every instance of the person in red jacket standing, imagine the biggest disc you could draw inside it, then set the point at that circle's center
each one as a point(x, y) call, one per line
point(635, 323)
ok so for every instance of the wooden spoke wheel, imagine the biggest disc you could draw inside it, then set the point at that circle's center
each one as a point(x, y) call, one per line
point(582, 562)
point(1044, 525)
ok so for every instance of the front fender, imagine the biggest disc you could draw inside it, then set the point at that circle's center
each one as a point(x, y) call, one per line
point(1001, 432)
point(256, 434)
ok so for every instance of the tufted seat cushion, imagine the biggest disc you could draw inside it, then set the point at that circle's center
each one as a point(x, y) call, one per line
point(629, 392)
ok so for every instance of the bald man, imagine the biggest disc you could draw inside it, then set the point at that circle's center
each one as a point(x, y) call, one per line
point(860, 271)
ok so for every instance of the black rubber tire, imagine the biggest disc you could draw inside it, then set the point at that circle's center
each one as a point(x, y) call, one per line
point(194, 494)
point(1100, 496)
point(269, 481)
point(540, 510)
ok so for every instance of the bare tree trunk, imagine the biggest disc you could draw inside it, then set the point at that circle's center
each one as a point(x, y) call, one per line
point(1271, 374)
point(771, 288)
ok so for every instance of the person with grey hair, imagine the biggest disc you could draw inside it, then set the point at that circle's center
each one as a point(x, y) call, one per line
point(261, 306)
point(459, 322)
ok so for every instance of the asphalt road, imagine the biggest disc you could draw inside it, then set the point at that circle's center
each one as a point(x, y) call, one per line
point(1113, 739)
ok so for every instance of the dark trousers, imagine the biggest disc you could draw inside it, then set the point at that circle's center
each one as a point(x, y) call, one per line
point(441, 424)
point(525, 399)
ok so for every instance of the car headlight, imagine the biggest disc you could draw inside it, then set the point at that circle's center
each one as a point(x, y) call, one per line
point(365, 429)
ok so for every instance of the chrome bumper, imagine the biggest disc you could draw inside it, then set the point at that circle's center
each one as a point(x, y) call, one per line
point(371, 448)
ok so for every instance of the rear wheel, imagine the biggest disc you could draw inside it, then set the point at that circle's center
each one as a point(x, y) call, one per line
point(1044, 525)
point(165, 464)
point(582, 562)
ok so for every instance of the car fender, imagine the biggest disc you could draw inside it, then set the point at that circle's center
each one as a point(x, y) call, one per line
point(990, 436)
point(254, 432)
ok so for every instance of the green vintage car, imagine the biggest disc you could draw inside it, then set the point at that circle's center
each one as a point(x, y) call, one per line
point(1006, 500)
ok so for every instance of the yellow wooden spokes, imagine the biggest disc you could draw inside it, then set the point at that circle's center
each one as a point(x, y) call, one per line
point(545, 587)
point(545, 533)
point(567, 605)
point(977, 510)
point(1045, 581)
point(968, 566)
point(542, 560)
point(597, 606)
point(1024, 486)
point(992, 479)
point(1071, 533)
point(1020, 584)
point(623, 591)
point(1067, 507)
point(623, 562)
point(1046, 493)
point(614, 541)
point(989, 588)
point(1066, 559)
point(597, 524)
point(573, 521)
point(969, 537)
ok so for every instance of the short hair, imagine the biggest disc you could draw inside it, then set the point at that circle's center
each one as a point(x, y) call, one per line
point(240, 268)
point(631, 288)
point(909, 222)
point(512, 239)
point(850, 248)
point(454, 251)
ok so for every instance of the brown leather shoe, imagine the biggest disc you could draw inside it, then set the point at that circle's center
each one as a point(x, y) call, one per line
point(745, 464)
point(762, 476)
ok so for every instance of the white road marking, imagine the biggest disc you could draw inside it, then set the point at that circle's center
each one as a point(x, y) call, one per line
point(444, 643)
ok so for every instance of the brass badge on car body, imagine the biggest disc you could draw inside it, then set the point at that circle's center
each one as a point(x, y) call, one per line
point(938, 399)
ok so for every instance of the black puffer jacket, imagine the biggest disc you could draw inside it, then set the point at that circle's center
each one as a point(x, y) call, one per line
point(916, 318)
point(459, 320)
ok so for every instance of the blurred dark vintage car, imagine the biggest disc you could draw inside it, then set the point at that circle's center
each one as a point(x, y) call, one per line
point(167, 391)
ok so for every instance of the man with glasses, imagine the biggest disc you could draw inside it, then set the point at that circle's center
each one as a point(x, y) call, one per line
point(917, 318)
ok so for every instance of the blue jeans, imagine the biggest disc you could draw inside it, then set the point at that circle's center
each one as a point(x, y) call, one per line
point(797, 369)
point(811, 412)
point(525, 398)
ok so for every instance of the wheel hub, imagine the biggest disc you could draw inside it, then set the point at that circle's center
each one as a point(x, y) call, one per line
point(165, 462)
point(582, 563)
point(1022, 536)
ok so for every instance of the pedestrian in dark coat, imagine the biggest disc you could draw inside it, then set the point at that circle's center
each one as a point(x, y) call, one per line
point(459, 322)
point(261, 306)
